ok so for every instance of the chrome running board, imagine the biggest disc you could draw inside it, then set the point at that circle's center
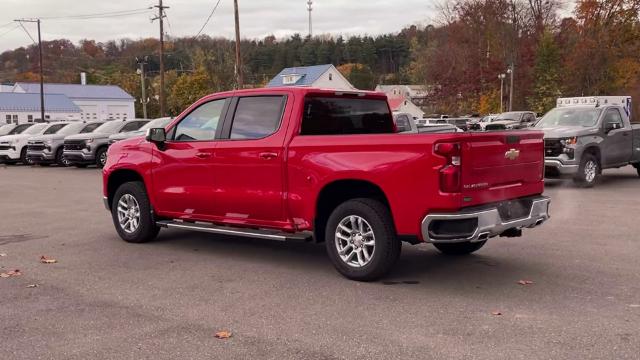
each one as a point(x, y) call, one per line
point(236, 231)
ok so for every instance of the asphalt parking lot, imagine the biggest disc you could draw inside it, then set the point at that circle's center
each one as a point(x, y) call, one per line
point(105, 299)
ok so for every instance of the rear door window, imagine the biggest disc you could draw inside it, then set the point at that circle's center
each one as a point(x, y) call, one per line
point(346, 116)
point(257, 117)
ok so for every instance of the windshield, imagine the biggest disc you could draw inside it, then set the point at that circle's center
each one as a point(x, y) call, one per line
point(54, 129)
point(35, 129)
point(157, 123)
point(586, 117)
point(509, 116)
point(90, 128)
point(110, 127)
point(19, 129)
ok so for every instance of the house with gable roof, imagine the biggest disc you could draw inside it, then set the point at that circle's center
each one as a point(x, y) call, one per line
point(320, 76)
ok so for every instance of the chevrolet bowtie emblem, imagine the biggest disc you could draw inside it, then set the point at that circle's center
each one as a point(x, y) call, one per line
point(512, 154)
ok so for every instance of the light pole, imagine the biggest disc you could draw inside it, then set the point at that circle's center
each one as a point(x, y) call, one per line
point(501, 77)
point(510, 71)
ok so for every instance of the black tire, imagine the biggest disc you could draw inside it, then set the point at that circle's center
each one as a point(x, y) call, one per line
point(147, 229)
point(637, 166)
point(23, 157)
point(463, 248)
point(387, 245)
point(60, 160)
point(582, 178)
point(101, 157)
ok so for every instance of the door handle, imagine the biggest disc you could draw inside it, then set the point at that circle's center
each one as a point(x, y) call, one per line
point(268, 155)
point(203, 155)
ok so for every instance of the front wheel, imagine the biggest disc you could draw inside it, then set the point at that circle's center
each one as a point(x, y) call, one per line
point(60, 159)
point(101, 157)
point(462, 248)
point(132, 214)
point(361, 240)
point(588, 171)
point(23, 157)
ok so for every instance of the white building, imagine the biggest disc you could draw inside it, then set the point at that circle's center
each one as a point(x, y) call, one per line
point(319, 76)
point(96, 102)
point(19, 108)
point(406, 106)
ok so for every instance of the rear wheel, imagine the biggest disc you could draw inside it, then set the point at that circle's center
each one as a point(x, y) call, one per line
point(588, 171)
point(132, 214)
point(462, 248)
point(361, 240)
point(101, 157)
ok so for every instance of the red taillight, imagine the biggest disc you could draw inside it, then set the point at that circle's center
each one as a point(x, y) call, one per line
point(450, 173)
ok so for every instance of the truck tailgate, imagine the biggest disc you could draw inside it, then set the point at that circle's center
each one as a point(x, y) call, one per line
point(502, 165)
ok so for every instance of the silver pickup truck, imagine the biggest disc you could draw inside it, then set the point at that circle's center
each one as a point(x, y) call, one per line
point(586, 135)
point(47, 148)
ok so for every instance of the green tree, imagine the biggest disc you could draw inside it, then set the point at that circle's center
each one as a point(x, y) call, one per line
point(187, 89)
point(547, 69)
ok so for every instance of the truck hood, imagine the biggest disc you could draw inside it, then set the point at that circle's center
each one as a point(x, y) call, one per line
point(10, 138)
point(46, 137)
point(567, 131)
point(126, 135)
point(88, 136)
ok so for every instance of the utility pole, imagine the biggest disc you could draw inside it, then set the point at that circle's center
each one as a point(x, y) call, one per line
point(238, 57)
point(510, 71)
point(40, 61)
point(501, 77)
point(143, 99)
point(310, 9)
point(160, 18)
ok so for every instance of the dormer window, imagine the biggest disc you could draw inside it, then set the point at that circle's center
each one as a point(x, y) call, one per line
point(290, 79)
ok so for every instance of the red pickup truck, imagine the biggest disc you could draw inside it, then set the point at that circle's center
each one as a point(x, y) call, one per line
point(309, 164)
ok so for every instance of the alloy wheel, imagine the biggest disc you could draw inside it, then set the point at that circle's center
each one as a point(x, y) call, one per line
point(355, 241)
point(128, 213)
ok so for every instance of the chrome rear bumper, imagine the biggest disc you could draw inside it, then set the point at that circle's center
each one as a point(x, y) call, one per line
point(482, 224)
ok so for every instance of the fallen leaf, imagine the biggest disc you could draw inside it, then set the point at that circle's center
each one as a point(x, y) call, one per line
point(223, 335)
point(525, 282)
point(46, 260)
point(496, 313)
point(31, 286)
point(10, 273)
point(3, 254)
point(634, 305)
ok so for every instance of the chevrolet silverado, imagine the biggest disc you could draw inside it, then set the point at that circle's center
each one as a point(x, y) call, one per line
point(309, 164)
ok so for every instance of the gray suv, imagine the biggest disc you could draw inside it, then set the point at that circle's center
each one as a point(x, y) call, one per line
point(85, 149)
point(47, 148)
point(582, 140)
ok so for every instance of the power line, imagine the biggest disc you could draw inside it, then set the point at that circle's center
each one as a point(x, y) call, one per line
point(27, 31)
point(10, 30)
point(100, 15)
point(208, 18)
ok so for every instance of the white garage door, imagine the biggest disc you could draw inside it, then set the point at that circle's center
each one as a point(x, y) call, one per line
point(117, 112)
point(89, 112)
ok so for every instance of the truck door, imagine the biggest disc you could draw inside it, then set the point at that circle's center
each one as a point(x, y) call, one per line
point(249, 161)
point(183, 169)
point(618, 142)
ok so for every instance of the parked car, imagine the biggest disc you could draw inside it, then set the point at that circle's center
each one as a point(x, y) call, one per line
point(439, 128)
point(585, 135)
point(405, 123)
point(512, 120)
point(48, 148)
point(157, 123)
point(13, 148)
point(304, 163)
point(13, 129)
point(430, 121)
point(461, 123)
point(85, 149)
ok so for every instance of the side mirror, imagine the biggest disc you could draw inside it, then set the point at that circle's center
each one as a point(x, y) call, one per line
point(610, 126)
point(156, 135)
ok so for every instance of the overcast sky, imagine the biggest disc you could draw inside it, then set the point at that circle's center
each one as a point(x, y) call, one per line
point(258, 18)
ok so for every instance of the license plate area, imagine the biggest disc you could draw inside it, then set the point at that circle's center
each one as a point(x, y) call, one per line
point(515, 209)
